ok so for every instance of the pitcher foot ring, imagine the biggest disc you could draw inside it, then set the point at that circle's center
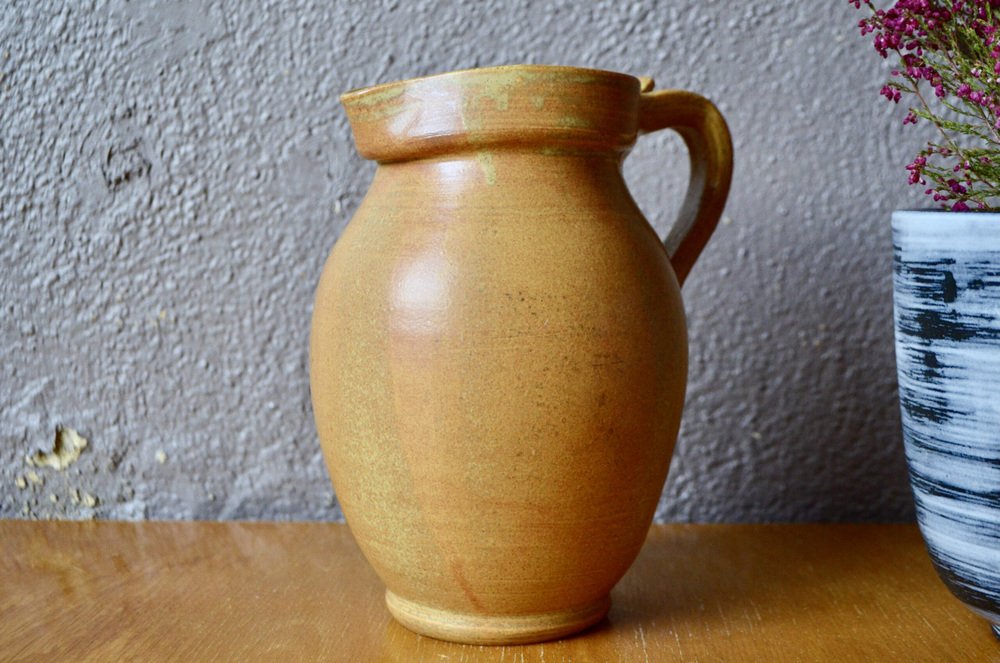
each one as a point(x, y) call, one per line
point(481, 629)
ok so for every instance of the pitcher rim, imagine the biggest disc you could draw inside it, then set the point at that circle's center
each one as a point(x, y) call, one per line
point(357, 93)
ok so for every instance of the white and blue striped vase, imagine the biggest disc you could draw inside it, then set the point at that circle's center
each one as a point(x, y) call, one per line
point(947, 313)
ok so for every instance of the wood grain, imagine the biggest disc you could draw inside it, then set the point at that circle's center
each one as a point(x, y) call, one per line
point(110, 591)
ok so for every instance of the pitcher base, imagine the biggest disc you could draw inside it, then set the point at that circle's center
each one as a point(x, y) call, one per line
point(494, 629)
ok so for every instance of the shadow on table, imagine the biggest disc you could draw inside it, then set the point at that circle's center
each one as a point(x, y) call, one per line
point(693, 584)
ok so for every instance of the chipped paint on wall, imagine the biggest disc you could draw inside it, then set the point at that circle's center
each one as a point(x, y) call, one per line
point(66, 449)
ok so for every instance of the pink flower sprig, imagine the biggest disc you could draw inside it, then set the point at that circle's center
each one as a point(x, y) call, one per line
point(950, 48)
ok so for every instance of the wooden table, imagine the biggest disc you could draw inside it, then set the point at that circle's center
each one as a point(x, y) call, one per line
point(107, 591)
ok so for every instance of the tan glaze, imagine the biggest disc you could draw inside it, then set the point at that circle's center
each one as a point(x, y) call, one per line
point(499, 353)
point(113, 591)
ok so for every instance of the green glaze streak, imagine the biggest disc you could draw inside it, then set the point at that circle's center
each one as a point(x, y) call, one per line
point(485, 159)
point(570, 122)
point(376, 95)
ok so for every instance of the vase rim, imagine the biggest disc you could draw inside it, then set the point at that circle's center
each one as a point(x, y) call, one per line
point(944, 212)
point(944, 217)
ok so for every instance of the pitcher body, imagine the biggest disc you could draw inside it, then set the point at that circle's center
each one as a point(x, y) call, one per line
point(498, 352)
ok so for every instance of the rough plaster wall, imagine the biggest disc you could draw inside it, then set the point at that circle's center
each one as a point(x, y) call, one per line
point(174, 176)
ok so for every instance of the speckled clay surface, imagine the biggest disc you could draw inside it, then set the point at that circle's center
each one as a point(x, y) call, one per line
point(499, 352)
point(947, 293)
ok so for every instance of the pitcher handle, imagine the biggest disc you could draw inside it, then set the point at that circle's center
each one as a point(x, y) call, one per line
point(710, 146)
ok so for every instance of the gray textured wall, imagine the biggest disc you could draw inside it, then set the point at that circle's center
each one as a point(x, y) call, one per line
point(175, 174)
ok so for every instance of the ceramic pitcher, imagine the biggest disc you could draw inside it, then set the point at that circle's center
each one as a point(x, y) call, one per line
point(498, 350)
